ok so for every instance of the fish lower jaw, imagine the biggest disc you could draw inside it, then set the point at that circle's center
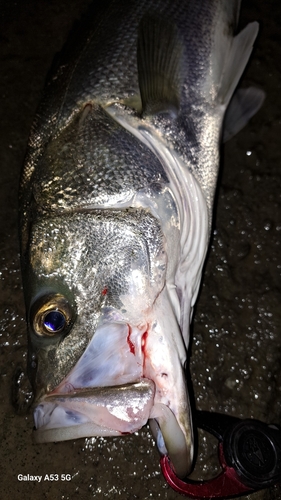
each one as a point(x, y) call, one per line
point(89, 429)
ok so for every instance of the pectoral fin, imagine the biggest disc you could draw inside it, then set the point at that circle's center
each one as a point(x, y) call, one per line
point(244, 104)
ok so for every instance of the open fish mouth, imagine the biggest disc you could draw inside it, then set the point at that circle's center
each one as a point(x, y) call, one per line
point(115, 391)
point(99, 411)
point(105, 393)
point(112, 411)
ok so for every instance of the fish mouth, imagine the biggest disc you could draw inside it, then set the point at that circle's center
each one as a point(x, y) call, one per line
point(111, 411)
point(99, 411)
point(116, 391)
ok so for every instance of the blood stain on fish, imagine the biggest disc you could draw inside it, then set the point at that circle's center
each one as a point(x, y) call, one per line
point(130, 343)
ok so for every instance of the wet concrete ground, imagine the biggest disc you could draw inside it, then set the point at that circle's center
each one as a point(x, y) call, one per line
point(235, 353)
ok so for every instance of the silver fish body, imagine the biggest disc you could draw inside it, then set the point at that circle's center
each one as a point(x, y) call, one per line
point(116, 203)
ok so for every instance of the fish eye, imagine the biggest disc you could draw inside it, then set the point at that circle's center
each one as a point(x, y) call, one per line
point(51, 315)
point(54, 321)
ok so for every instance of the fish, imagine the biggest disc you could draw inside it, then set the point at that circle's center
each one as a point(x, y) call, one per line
point(116, 202)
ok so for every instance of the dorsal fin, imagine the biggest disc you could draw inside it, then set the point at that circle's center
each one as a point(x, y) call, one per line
point(159, 68)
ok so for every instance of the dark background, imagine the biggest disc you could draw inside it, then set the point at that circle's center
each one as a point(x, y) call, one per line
point(235, 354)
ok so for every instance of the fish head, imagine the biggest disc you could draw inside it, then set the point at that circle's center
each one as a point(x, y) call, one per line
point(100, 361)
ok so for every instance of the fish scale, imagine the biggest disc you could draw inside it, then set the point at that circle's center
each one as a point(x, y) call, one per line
point(101, 168)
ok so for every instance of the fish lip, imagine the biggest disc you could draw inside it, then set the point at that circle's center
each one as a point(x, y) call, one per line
point(90, 391)
point(59, 434)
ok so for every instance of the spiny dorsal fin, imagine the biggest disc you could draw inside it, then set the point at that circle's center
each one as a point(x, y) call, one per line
point(159, 68)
